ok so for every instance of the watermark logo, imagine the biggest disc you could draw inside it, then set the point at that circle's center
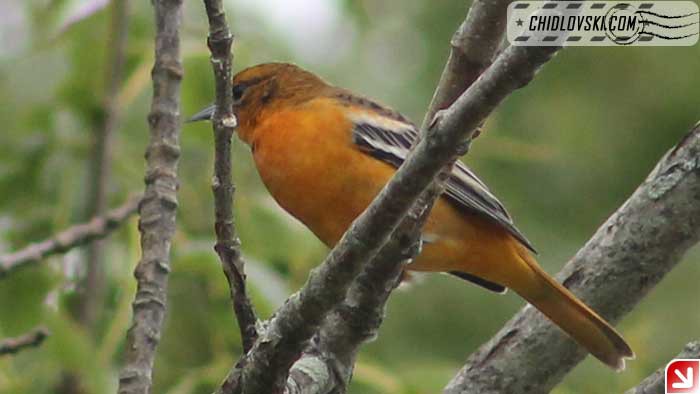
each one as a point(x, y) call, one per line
point(603, 23)
point(683, 376)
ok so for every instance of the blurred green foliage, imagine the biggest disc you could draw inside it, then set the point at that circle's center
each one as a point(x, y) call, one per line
point(562, 154)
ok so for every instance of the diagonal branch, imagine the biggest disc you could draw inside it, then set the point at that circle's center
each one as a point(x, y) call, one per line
point(228, 246)
point(159, 205)
point(265, 368)
point(472, 50)
point(628, 255)
point(33, 338)
point(655, 382)
point(328, 365)
point(74, 236)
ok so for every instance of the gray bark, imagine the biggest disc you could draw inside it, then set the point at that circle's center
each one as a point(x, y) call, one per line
point(628, 255)
point(654, 383)
point(228, 246)
point(77, 235)
point(159, 205)
point(472, 50)
point(33, 338)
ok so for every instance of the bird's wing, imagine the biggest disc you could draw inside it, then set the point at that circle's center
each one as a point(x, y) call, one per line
point(388, 136)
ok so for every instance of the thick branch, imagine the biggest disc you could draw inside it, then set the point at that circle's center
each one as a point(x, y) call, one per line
point(228, 246)
point(266, 367)
point(33, 338)
point(159, 205)
point(358, 318)
point(654, 383)
point(472, 49)
point(629, 254)
point(80, 234)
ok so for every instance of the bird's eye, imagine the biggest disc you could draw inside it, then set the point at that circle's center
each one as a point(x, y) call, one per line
point(238, 91)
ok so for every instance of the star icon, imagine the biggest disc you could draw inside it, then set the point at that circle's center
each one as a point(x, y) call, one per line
point(519, 22)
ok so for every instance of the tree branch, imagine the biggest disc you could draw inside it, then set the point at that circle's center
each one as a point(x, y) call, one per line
point(472, 50)
point(91, 288)
point(99, 166)
point(629, 254)
point(328, 365)
point(265, 368)
point(33, 338)
point(159, 205)
point(655, 382)
point(228, 246)
point(77, 235)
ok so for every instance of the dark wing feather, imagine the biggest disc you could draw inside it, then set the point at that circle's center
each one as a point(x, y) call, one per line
point(462, 188)
point(488, 285)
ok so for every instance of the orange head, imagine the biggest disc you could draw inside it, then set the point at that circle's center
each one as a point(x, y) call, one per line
point(268, 86)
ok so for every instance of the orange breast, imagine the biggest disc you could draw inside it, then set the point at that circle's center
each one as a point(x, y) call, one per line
point(311, 167)
point(308, 162)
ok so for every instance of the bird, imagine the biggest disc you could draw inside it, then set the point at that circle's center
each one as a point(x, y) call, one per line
point(324, 153)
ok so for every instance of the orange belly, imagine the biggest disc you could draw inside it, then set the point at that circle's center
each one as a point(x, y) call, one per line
point(328, 189)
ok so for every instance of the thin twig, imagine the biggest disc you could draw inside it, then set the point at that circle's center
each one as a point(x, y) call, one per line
point(33, 338)
point(266, 367)
point(655, 382)
point(77, 235)
point(228, 246)
point(159, 205)
point(91, 290)
point(99, 166)
point(628, 255)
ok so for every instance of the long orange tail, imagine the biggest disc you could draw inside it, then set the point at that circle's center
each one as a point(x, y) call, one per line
point(578, 320)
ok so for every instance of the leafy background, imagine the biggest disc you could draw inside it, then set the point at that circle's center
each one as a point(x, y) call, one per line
point(562, 154)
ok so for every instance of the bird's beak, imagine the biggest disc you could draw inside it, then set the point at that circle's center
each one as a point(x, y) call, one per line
point(204, 114)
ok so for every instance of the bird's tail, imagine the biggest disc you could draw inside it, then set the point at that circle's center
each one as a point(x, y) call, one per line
point(568, 312)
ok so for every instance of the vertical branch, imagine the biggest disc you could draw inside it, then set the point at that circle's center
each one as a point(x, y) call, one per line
point(93, 296)
point(158, 208)
point(228, 246)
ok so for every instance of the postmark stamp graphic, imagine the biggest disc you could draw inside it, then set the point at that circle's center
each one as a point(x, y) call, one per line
point(603, 23)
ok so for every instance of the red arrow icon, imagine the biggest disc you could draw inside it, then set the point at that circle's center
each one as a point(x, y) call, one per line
point(683, 376)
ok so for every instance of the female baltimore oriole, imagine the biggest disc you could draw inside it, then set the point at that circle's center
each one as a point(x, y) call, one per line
point(324, 153)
